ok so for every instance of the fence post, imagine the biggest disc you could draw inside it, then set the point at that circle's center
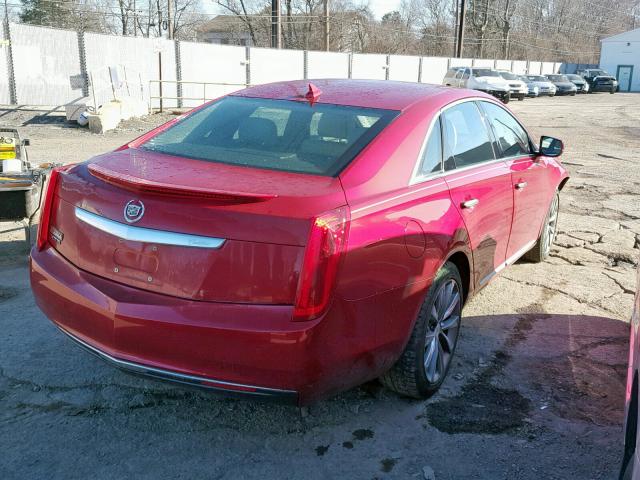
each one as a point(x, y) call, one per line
point(350, 73)
point(176, 45)
point(420, 70)
point(528, 67)
point(82, 53)
point(13, 97)
point(247, 65)
point(387, 67)
point(305, 62)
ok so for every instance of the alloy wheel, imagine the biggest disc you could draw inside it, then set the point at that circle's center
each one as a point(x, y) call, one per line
point(442, 330)
point(552, 226)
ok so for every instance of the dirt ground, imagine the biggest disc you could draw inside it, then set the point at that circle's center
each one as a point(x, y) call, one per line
point(536, 391)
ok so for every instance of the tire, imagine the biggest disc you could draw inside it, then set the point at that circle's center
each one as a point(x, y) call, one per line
point(521, 98)
point(409, 376)
point(541, 249)
point(573, 94)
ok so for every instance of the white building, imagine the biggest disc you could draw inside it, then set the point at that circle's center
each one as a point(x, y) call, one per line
point(620, 56)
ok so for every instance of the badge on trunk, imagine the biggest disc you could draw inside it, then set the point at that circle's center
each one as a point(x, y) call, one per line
point(133, 211)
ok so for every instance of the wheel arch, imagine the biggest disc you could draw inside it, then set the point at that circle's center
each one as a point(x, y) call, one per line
point(462, 262)
point(563, 182)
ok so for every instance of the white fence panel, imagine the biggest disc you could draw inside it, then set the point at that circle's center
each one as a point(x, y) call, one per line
point(519, 67)
point(404, 67)
point(484, 62)
point(204, 62)
point(434, 69)
point(140, 57)
point(5, 96)
point(369, 66)
point(44, 59)
point(503, 65)
point(327, 65)
point(535, 68)
point(268, 65)
point(460, 62)
point(556, 67)
point(547, 68)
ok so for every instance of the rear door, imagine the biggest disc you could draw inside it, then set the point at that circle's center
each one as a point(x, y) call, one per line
point(528, 177)
point(480, 186)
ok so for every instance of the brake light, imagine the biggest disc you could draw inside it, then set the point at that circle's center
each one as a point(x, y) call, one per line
point(327, 243)
point(47, 207)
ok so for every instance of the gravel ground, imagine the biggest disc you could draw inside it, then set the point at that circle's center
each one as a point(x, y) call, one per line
point(537, 389)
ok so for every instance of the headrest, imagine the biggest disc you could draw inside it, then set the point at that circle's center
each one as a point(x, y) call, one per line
point(333, 126)
point(260, 132)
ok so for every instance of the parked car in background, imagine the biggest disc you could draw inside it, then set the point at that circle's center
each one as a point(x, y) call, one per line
point(532, 89)
point(545, 86)
point(564, 86)
point(599, 80)
point(483, 79)
point(581, 84)
point(519, 89)
point(259, 244)
point(631, 459)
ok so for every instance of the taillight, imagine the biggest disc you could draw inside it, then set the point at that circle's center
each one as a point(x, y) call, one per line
point(327, 242)
point(47, 207)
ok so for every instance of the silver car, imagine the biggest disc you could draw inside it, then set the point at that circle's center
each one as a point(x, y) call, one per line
point(545, 87)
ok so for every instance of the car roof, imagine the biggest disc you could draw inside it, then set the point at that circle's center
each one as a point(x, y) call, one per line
point(384, 94)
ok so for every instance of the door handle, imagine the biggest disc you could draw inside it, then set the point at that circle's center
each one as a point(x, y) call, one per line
point(470, 203)
point(521, 185)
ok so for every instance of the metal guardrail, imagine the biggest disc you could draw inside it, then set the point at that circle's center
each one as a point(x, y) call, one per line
point(203, 98)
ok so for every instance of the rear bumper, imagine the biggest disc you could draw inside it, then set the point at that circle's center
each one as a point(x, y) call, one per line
point(239, 349)
point(229, 388)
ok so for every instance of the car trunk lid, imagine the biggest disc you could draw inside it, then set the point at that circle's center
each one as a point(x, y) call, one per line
point(188, 228)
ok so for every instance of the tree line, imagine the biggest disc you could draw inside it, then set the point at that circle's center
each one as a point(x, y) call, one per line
point(553, 30)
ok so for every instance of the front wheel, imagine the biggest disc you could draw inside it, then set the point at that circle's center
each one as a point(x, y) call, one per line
point(425, 361)
point(521, 98)
point(506, 98)
point(541, 249)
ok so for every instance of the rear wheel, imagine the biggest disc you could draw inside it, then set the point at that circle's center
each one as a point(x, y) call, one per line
point(424, 364)
point(541, 249)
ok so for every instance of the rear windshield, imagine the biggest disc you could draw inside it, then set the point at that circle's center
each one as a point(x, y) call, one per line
point(287, 135)
point(558, 78)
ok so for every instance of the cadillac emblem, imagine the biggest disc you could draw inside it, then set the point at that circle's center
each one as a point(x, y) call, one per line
point(133, 211)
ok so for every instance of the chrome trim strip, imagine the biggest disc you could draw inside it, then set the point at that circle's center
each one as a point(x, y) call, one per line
point(192, 380)
point(509, 261)
point(146, 235)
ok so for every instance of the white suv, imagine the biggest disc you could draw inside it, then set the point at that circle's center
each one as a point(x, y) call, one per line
point(519, 89)
point(483, 79)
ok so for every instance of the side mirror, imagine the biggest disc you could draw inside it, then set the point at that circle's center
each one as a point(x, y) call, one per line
point(550, 147)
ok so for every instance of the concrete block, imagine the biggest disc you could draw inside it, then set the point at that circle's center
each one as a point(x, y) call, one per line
point(73, 110)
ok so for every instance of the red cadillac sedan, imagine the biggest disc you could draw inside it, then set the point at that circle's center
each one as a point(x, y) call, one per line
point(293, 240)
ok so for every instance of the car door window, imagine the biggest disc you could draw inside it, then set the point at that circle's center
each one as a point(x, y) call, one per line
point(465, 75)
point(459, 74)
point(431, 160)
point(512, 139)
point(466, 138)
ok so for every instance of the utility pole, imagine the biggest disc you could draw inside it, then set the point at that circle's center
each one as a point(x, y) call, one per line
point(276, 25)
point(461, 30)
point(170, 19)
point(455, 28)
point(326, 25)
point(135, 20)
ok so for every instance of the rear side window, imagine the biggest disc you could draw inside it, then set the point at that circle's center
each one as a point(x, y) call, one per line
point(431, 161)
point(287, 135)
point(466, 139)
point(511, 137)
